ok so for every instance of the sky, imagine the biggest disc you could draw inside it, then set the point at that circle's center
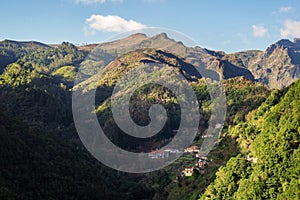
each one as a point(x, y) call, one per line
point(229, 25)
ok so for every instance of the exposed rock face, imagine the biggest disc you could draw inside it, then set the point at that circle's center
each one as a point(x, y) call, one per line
point(279, 65)
point(115, 69)
point(210, 64)
point(228, 68)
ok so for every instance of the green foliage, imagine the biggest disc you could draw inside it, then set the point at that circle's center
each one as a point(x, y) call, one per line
point(228, 179)
point(273, 144)
point(11, 51)
point(66, 72)
point(16, 75)
point(242, 96)
point(37, 164)
point(34, 87)
point(45, 159)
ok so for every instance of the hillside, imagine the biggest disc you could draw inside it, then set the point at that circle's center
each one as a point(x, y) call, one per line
point(268, 166)
point(38, 164)
point(208, 62)
point(279, 65)
point(42, 155)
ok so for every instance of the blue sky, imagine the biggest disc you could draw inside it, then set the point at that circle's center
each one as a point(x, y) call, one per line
point(229, 25)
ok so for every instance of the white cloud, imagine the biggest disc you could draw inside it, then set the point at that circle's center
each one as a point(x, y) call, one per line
point(112, 23)
point(259, 30)
point(89, 2)
point(285, 9)
point(291, 28)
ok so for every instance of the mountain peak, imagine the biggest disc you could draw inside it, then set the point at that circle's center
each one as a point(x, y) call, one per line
point(138, 35)
point(161, 36)
point(24, 43)
point(284, 43)
point(297, 41)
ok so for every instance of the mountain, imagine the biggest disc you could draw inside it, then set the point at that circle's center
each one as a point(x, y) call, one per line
point(42, 155)
point(37, 164)
point(126, 62)
point(209, 63)
point(11, 51)
point(20, 44)
point(278, 66)
point(268, 166)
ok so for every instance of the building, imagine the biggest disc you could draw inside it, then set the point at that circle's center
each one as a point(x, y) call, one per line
point(207, 136)
point(192, 149)
point(188, 171)
point(251, 159)
point(158, 154)
point(201, 164)
point(218, 125)
point(174, 151)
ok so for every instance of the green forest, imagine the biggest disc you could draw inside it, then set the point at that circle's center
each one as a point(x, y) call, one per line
point(42, 157)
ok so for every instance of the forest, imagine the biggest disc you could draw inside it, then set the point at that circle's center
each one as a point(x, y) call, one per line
point(42, 157)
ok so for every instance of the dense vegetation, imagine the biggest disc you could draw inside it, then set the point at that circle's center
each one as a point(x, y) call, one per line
point(268, 166)
point(253, 95)
point(42, 157)
point(36, 164)
point(41, 154)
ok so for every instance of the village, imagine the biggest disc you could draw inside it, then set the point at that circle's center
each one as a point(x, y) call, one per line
point(201, 163)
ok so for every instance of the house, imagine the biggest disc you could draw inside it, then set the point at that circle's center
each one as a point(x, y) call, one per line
point(201, 164)
point(188, 171)
point(172, 151)
point(204, 158)
point(218, 125)
point(158, 154)
point(251, 159)
point(207, 136)
point(192, 149)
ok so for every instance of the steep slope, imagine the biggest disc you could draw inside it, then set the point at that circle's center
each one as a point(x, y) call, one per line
point(276, 67)
point(243, 96)
point(166, 63)
point(35, 87)
point(269, 166)
point(279, 65)
point(11, 51)
point(226, 68)
point(20, 44)
point(37, 164)
point(243, 58)
point(123, 64)
point(211, 64)
point(124, 45)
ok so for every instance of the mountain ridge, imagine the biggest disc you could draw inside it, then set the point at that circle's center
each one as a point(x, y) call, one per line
point(36, 88)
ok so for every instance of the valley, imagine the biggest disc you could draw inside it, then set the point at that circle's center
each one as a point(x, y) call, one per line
point(42, 156)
